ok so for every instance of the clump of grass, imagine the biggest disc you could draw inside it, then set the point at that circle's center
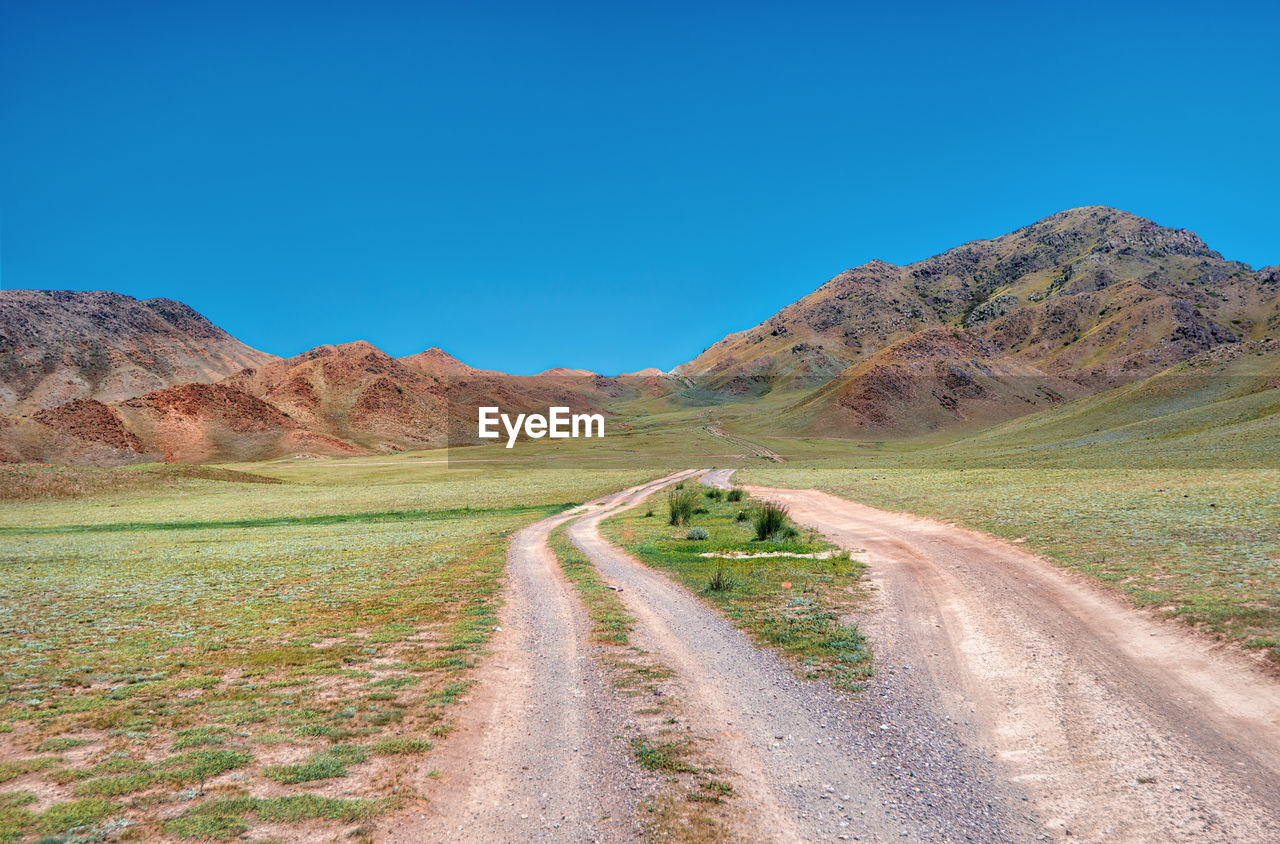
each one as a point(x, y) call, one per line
point(734, 495)
point(711, 791)
point(681, 505)
point(198, 736)
point(721, 580)
point(401, 746)
point(648, 514)
point(198, 766)
point(114, 786)
point(771, 523)
point(59, 744)
point(715, 493)
point(14, 768)
point(698, 533)
point(61, 817)
point(321, 765)
point(661, 756)
point(224, 818)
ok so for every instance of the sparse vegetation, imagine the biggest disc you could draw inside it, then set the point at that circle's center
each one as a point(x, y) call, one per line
point(209, 618)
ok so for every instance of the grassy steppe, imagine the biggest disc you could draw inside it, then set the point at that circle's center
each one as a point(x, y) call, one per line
point(209, 653)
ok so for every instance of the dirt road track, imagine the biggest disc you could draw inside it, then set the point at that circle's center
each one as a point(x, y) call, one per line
point(1119, 727)
point(1013, 702)
point(531, 760)
point(811, 765)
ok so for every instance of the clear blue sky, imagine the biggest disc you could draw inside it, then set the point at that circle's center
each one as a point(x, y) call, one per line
point(599, 184)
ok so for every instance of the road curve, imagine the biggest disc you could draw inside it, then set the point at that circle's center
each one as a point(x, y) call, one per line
point(1119, 727)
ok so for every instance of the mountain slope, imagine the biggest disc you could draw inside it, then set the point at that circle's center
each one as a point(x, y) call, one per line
point(56, 346)
point(1091, 289)
point(354, 392)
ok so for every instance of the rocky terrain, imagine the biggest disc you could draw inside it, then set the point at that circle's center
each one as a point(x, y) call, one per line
point(56, 346)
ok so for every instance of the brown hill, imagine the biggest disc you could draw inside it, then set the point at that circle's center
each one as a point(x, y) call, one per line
point(56, 346)
point(354, 392)
point(931, 380)
point(1091, 289)
point(439, 364)
point(195, 423)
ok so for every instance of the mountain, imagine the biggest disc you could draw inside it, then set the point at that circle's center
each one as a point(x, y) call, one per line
point(56, 346)
point(931, 380)
point(439, 364)
point(356, 393)
point(1090, 290)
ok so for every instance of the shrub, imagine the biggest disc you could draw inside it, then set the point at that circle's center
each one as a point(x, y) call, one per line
point(715, 494)
point(698, 533)
point(648, 514)
point(680, 506)
point(769, 519)
point(734, 495)
point(721, 580)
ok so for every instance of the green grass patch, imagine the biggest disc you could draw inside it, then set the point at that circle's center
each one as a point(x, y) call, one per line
point(668, 756)
point(224, 818)
point(610, 622)
point(789, 602)
point(323, 764)
point(401, 746)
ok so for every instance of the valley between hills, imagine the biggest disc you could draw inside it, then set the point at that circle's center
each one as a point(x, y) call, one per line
point(980, 548)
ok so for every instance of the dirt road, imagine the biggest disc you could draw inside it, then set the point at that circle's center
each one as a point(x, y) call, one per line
point(531, 760)
point(1013, 702)
point(1117, 726)
point(811, 764)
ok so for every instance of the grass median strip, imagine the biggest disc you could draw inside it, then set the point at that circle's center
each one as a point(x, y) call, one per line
point(794, 600)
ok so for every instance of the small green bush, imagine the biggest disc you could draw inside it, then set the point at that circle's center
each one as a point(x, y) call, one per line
point(715, 494)
point(734, 495)
point(770, 521)
point(681, 505)
point(721, 580)
point(697, 533)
